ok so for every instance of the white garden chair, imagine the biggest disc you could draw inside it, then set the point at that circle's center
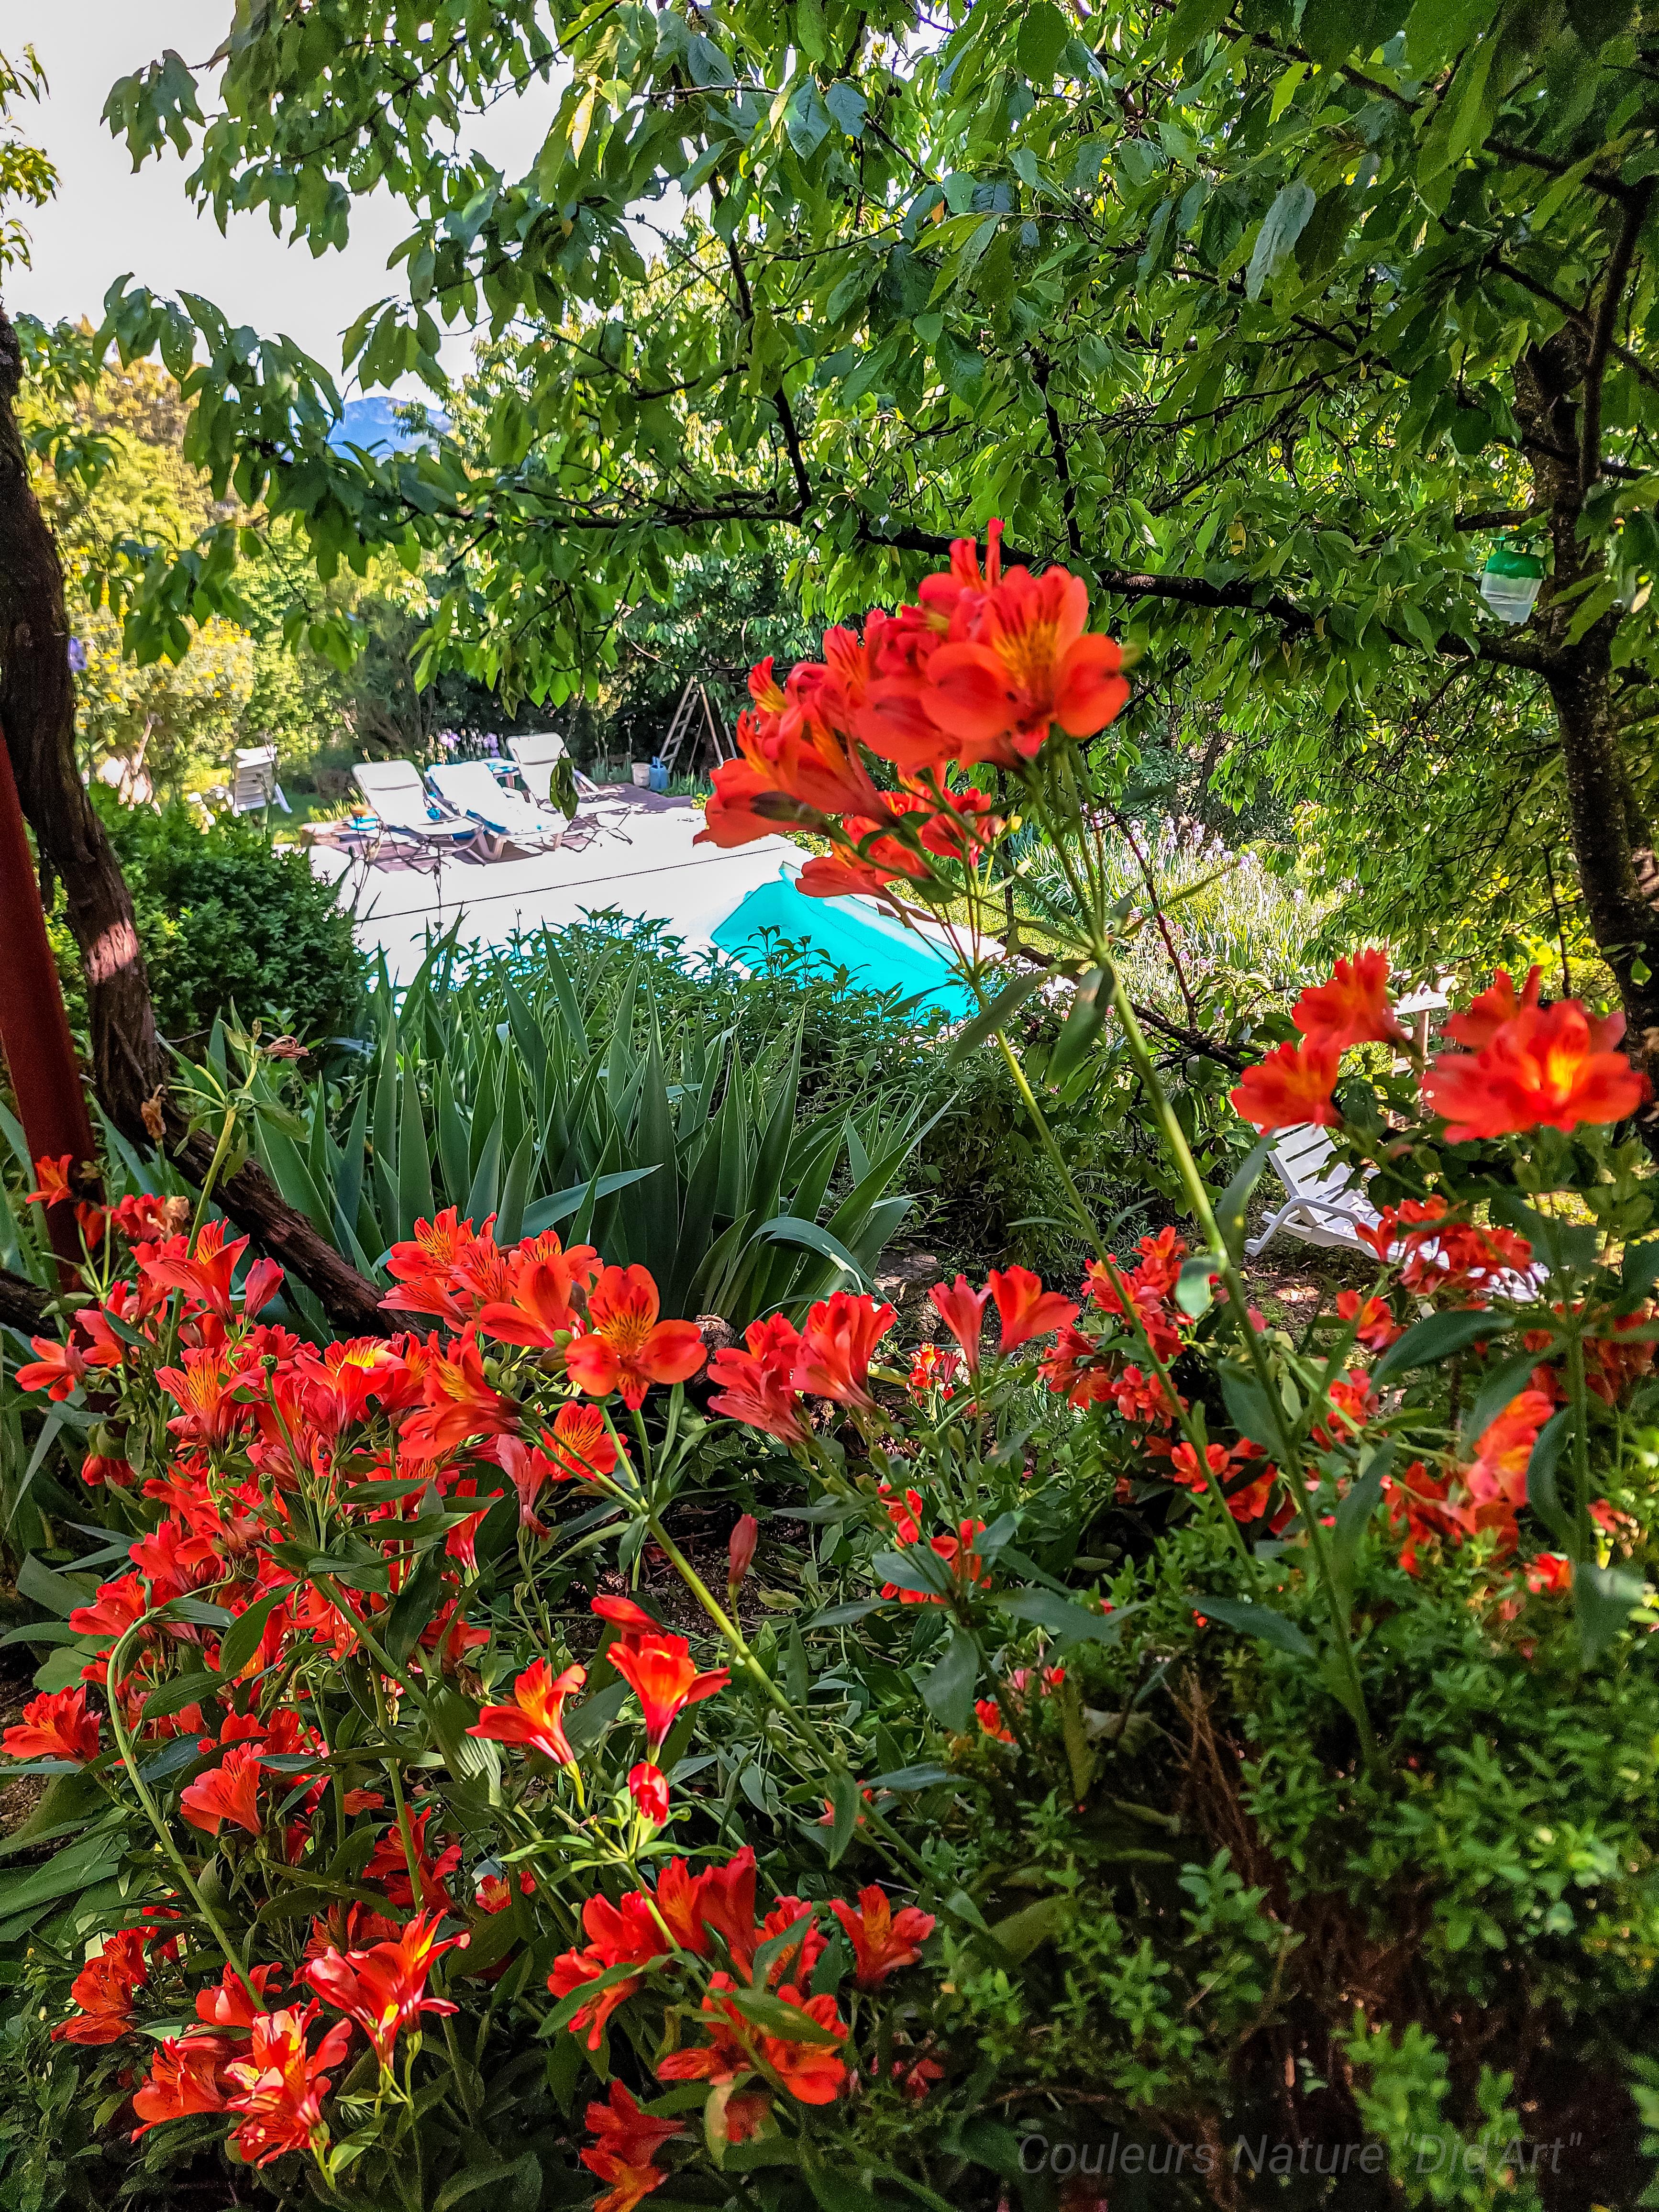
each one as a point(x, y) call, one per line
point(403, 808)
point(1323, 1205)
point(255, 789)
point(536, 755)
point(506, 817)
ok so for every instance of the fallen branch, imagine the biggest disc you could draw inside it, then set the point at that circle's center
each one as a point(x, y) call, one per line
point(23, 1304)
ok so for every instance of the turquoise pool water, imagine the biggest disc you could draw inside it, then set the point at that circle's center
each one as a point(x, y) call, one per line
point(881, 956)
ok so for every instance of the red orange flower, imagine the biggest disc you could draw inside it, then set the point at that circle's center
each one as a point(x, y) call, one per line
point(842, 1332)
point(279, 2087)
point(185, 2075)
point(756, 1385)
point(1353, 1007)
point(579, 1445)
point(1551, 1067)
point(459, 1402)
point(1025, 1308)
point(647, 1785)
point(626, 2151)
point(103, 1990)
point(543, 1281)
point(882, 1939)
point(536, 1718)
point(962, 1309)
point(51, 1181)
point(384, 1989)
point(663, 1676)
point(1018, 659)
point(229, 1791)
point(625, 1346)
point(55, 1725)
point(1291, 1085)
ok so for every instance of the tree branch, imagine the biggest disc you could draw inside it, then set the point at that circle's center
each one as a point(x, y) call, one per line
point(1606, 317)
point(23, 1304)
point(1062, 467)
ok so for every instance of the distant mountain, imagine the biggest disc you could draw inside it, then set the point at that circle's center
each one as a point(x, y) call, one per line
point(380, 426)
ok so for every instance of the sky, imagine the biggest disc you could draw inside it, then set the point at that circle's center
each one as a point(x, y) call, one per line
point(106, 222)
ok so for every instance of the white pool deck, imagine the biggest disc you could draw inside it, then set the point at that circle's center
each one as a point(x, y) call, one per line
point(628, 849)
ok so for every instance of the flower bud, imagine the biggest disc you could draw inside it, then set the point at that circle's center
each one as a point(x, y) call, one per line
point(741, 1552)
point(647, 1785)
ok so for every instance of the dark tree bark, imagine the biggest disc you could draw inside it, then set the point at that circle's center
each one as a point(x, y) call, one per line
point(129, 1067)
point(1558, 404)
point(22, 1304)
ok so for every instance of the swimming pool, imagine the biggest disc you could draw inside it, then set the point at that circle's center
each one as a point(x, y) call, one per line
point(878, 954)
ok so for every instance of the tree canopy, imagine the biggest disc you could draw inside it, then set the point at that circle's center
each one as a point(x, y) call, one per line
point(1263, 317)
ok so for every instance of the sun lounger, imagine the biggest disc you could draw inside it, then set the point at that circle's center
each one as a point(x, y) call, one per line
point(404, 810)
point(536, 755)
point(506, 817)
point(1323, 1205)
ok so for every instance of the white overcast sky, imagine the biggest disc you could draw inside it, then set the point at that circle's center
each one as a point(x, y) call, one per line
point(106, 222)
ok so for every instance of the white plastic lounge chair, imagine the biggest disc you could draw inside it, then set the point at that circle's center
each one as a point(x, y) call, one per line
point(404, 810)
point(1322, 1205)
point(255, 789)
point(536, 755)
point(506, 817)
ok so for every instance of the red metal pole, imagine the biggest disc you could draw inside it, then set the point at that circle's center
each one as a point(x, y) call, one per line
point(34, 1032)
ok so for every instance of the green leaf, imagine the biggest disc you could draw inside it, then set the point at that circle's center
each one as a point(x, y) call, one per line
point(1258, 1620)
point(1541, 1493)
point(848, 106)
point(1281, 227)
point(1193, 1294)
point(845, 1804)
point(912, 1777)
point(1084, 1018)
point(1353, 1515)
point(1234, 1202)
point(1044, 35)
point(1437, 1338)
point(1022, 1932)
point(806, 119)
point(947, 1690)
point(788, 1229)
point(1193, 20)
point(1603, 1600)
point(1000, 1011)
point(242, 1638)
point(180, 1691)
point(1072, 1623)
point(1503, 1383)
point(48, 1589)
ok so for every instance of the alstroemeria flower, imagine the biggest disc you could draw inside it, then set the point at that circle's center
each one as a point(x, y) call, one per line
point(1353, 1007)
point(1025, 1308)
point(663, 1676)
point(647, 1785)
point(1551, 1067)
point(384, 1989)
point(55, 1725)
point(625, 1347)
point(882, 1939)
point(757, 1385)
point(1291, 1085)
point(536, 1717)
point(229, 1791)
point(842, 1332)
point(1026, 663)
point(962, 1309)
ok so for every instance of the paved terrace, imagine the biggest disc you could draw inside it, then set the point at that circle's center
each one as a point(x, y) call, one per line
point(627, 850)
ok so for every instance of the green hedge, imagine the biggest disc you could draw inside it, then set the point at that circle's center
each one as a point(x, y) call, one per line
point(227, 919)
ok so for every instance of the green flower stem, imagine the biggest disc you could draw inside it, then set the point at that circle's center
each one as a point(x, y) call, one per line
point(1131, 1312)
point(164, 1834)
point(388, 1666)
point(1238, 1308)
point(1584, 1526)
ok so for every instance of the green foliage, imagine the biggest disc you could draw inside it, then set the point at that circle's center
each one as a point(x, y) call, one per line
point(226, 921)
point(557, 1092)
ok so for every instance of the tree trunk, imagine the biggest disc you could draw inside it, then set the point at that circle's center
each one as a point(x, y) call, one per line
point(1612, 843)
point(129, 1067)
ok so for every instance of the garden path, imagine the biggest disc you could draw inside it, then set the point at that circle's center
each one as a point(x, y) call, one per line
point(627, 850)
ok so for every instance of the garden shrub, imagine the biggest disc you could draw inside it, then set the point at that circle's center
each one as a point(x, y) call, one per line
point(228, 921)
